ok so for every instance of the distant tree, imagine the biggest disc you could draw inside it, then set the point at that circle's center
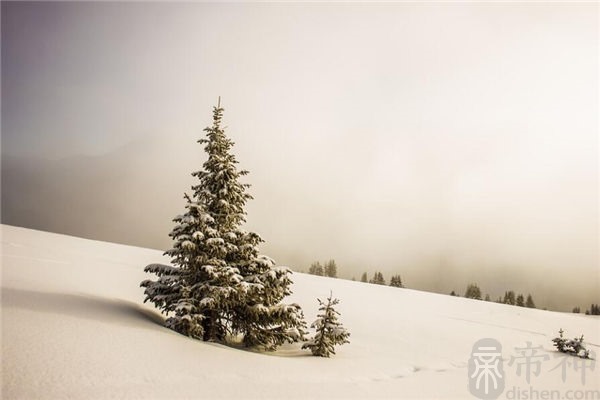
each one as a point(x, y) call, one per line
point(330, 269)
point(509, 298)
point(353, 279)
point(378, 279)
point(529, 302)
point(363, 278)
point(329, 333)
point(473, 292)
point(576, 310)
point(453, 293)
point(520, 301)
point(316, 269)
point(594, 310)
point(396, 281)
point(487, 297)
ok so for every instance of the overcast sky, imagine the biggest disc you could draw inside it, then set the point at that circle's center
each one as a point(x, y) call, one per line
point(422, 139)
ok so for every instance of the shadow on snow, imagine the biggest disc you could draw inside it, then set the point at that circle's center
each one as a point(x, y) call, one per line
point(84, 306)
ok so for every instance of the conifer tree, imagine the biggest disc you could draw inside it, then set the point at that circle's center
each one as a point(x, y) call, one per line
point(261, 319)
point(364, 278)
point(200, 290)
point(473, 292)
point(329, 332)
point(396, 281)
point(378, 279)
point(520, 301)
point(316, 269)
point(529, 302)
point(330, 269)
point(220, 284)
point(571, 346)
point(509, 298)
point(594, 310)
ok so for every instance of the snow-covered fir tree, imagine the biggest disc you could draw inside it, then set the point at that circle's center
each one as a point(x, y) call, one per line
point(571, 346)
point(261, 318)
point(220, 285)
point(329, 332)
point(199, 292)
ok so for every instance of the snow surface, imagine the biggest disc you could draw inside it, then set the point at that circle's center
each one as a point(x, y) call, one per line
point(74, 326)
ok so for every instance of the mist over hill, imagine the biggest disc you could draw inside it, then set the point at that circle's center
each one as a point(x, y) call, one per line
point(131, 195)
point(447, 144)
point(117, 197)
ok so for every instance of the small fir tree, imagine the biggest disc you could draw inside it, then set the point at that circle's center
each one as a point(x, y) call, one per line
point(329, 332)
point(364, 278)
point(396, 281)
point(560, 342)
point(520, 301)
point(574, 346)
point(487, 297)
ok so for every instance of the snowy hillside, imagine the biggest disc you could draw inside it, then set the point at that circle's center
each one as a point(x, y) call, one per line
point(73, 326)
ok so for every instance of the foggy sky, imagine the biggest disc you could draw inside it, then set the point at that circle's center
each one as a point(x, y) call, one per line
point(450, 143)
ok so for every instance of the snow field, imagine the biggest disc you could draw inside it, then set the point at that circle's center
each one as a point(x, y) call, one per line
point(74, 327)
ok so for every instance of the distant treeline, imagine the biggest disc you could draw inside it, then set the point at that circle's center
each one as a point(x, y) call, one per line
point(378, 279)
point(330, 269)
point(593, 310)
point(510, 297)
